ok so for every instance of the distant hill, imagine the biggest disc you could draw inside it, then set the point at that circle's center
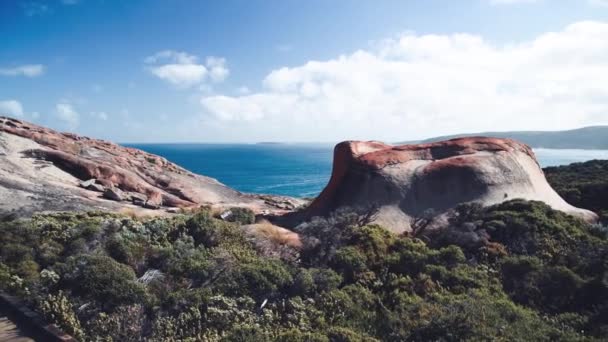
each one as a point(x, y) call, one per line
point(593, 137)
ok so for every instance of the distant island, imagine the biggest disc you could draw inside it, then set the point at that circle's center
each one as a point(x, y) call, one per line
point(269, 143)
point(588, 138)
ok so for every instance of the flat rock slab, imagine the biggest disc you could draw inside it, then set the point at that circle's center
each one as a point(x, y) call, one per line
point(45, 170)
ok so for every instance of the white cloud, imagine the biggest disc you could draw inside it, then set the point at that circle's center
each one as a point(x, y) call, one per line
point(512, 2)
point(29, 70)
point(185, 75)
point(600, 3)
point(66, 113)
point(183, 70)
point(415, 86)
point(243, 90)
point(217, 68)
point(11, 108)
point(100, 115)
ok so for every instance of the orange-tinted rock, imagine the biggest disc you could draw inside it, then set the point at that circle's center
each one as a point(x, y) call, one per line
point(404, 181)
point(66, 160)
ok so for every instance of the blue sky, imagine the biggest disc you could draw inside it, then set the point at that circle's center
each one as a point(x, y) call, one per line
point(245, 71)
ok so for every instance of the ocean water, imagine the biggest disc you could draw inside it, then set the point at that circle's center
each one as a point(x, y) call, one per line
point(300, 170)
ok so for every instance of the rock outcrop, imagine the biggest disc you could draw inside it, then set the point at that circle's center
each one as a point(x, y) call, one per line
point(41, 169)
point(402, 182)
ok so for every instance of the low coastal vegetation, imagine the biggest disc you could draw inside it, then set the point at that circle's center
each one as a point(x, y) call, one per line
point(515, 271)
point(583, 185)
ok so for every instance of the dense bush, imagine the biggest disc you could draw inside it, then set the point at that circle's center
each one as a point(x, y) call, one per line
point(583, 185)
point(514, 271)
point(103, 279)
point(241, 215)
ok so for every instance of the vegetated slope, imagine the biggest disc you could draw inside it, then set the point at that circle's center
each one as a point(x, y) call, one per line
point(593, 137)
point(583, 185)
point(402, 182)
point(514, 271)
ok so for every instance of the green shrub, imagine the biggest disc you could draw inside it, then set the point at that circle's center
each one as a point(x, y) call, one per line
point(583, 185)
point(295, 335)
point(211, 232)
point(257, 278)
point(125, 323)
point(241, 215)
point(103, 279)
point(515, 271)
point(340, 334)
point(58, 309)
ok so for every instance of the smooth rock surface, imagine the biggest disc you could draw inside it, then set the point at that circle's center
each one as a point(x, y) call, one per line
point(42, 170)
point(113, 194)
point(404, 181)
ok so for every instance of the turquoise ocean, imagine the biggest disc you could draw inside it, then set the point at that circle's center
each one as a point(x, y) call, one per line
point(300, 170)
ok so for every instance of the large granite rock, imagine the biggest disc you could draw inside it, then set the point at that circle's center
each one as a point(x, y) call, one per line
point(402, 182)
point(41, 169)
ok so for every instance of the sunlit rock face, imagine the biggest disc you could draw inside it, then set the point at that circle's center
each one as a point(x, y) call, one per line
point(404, 181)
point(41, 169)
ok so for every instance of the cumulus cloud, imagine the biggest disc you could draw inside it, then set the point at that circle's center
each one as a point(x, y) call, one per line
point(511, 2)
point(67, 114)
point(600, 3)
point(217, 68)
point(414, 86)
point(184, 70)
point(29, 70)
point(11, 108)
point(100, 115)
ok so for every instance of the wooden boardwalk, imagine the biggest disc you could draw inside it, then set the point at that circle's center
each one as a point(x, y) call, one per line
point(9, 332)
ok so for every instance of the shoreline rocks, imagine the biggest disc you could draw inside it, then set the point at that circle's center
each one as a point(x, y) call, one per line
point(42, 169)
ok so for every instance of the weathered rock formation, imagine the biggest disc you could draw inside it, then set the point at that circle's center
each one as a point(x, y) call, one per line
point(402, 182)
point(41, 169)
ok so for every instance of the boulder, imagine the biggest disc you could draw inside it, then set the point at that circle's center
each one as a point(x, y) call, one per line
point(92, 185)
point(113, 194)
point(137, 198)
point(154, 201)
point(96, 187)
point(401, 183)
point(87, 183)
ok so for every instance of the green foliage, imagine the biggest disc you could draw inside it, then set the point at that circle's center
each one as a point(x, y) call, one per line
point(242, 215)
point(511, 272)
point(58, 309)
point(553, 288)
point(477, 316)
point(103, 279)
point(210, 232)
point(295, 335)
point(551, 262)
point(125, 323)
point(583, 185)
point(328, 234)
